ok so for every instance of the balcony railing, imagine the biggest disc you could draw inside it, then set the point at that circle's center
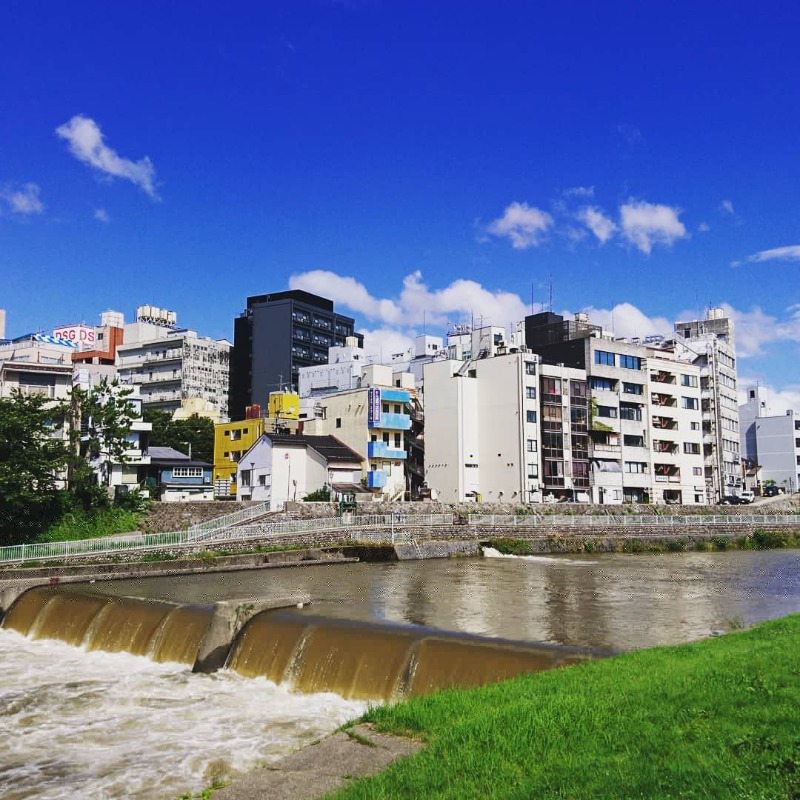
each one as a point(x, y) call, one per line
point(382, 450)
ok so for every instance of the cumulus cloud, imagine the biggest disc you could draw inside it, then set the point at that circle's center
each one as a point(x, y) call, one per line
point(755, 329)
point(101, 215)
point(598, 223)
point(462, 300)
point(524, 225)
point(86, 143)
point(647, 224)
point(23, 199)
point(625, 319)
point(381, 345)
point(790, 253)
point(778, 401)
point(348, 292)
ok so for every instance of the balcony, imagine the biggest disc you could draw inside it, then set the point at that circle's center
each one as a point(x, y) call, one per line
point(662, 376)
point(396, 422)
point(606, 448)
point(376, 479)
point(665, 400)
point(382, 450)
point(665, 423)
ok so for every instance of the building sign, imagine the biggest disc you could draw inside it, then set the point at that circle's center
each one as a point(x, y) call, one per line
point(79, 336)
point(374, 407)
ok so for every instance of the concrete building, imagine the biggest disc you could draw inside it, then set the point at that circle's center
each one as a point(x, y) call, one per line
point(711, 345)
point(275, 336)
point(482, 429)
point(644, 432)
point(343, 370)
point(171, 365)
point(278, 468)
point(36, 364)
point(373, 421)
point(770, 441)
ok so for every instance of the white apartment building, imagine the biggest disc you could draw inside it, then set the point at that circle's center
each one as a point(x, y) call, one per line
point(36, 364)
point(171, 365)
point(711, 345)
point(772, 441)
point(343, 371)
point(373, 421)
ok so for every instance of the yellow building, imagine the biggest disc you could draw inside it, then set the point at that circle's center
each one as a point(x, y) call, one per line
point(233, 439)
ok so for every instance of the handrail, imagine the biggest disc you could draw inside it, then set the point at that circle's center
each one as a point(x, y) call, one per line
point(629, 520)
point(133, 543)
point(227, 520)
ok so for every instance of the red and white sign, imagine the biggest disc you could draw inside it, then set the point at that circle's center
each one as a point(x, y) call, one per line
point(81, 335)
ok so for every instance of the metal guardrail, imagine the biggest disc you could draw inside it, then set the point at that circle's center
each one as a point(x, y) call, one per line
point(227, 520)
point(383, 524)
point(630, 520)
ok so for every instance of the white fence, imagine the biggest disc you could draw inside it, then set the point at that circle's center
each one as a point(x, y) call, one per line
point(202, 529)
point(630, 520)
point(373, 527)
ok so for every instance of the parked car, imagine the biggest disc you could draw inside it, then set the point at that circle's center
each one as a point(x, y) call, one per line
point(730, 500)
point(746, 497)
point(770, 491)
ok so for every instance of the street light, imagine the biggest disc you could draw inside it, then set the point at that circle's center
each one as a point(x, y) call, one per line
point(190, 449)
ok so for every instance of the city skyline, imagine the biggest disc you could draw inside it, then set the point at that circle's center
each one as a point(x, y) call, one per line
point(416, 166)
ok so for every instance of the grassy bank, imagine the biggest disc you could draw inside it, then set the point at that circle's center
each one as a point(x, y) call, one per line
point(713, 719)
point(80, 524)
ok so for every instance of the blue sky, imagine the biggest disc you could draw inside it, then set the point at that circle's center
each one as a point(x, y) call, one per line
point(419, 163)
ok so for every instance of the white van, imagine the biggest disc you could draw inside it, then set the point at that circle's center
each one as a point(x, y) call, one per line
point(746, 496)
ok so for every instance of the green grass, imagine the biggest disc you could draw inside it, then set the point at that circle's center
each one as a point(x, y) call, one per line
point(91, 524)
point(714, 719)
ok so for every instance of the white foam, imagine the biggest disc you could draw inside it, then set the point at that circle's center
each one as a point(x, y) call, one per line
point(113, 725)
point(491, 552)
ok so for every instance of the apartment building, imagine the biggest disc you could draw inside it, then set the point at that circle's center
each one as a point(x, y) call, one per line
point(275, 336)
point(711, 345)
point(172, 364)
point(373, 421)
point(644, 411)
point(770, 440)
point(36, 364)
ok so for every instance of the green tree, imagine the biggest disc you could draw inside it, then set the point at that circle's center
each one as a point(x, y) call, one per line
point(100, 423)
point(196, 431)
point(33, 459)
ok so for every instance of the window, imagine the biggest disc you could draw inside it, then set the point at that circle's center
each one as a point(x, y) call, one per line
point(533, 470)
point(338, 422)
point(605, 358)
point(605, 384)
point(697, 470)
point(630, 411)
point(607, 411)
point(630, 362)
point(385, 408)
point(690, 402)
point(187, 472)
point(530, 392)
point(551, 385)
point(632, 388)
point(691, 448)
point(398, 440)
point(530, 416)
point(635, 466)
point(531, 445)
point(633, 441)
point(694, 426)
point(689, 380)
point(530, 367)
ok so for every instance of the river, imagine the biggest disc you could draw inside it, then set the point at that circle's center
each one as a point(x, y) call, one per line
point(101, 725)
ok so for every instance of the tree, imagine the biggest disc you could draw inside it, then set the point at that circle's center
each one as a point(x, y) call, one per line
point(33, 458)
point(101, 420)
point(196, 431)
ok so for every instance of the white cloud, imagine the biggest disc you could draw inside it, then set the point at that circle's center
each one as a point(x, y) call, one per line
point(625, 319)
point(579, 191)
point(101, 215)
point(86, 144)
point(727, 207)
point(380, 344)
point(463, 300)
point(598, 223)
point(790, 253)
point(755, 329)
point(703, 227)
point(779, 401)
point(647, 224)
point(348, 292)
point(524, 225)
point(23, 200)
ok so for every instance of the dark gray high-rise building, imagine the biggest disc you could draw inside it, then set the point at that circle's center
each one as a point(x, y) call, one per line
point(276, 335)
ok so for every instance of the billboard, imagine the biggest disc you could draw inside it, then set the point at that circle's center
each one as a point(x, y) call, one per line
point(81, 336)
point(374, 407)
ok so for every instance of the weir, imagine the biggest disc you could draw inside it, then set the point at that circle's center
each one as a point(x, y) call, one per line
point(263, 638)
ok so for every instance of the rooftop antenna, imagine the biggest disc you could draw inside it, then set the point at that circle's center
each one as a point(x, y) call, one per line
point(531, 298)
point(551, 292)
